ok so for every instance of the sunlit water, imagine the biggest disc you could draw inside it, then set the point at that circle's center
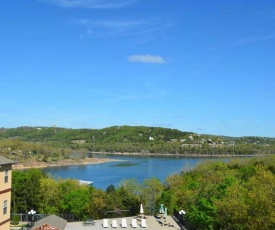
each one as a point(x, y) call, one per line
point(105, 174)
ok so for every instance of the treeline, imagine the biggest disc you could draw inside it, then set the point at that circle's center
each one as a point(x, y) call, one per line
point(21, 151)
point(110, 134)
point(177, 148)
point(216, 195)
point(32, 189)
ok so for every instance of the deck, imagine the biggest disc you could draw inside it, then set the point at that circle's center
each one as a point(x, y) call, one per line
point(153, 223)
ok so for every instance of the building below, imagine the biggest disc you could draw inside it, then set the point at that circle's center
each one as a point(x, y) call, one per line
point(51, 222)
point(5, 192)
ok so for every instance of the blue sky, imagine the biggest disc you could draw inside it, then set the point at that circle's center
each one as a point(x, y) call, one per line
point(201, 66)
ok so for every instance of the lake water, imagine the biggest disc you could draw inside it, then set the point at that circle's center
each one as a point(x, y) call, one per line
point(137, 167)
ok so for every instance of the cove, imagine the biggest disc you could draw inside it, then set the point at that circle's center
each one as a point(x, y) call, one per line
point(139, 167)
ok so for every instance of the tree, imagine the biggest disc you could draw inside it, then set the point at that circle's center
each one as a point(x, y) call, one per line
point(132, 186)
point(261, 200)
point(49, 198)
point(203, 214)
point(151, 192)
point(18, 187)
point(77, 202)
point(97, 203)
point(110, 189)
point(232, 209)
point(27, 189)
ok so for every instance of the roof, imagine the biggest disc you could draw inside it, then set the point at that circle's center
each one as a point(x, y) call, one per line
point(54, 221)
point(5, 161)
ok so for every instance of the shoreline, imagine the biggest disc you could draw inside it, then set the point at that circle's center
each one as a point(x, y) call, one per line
point(175, 155)
point(61, 163)
point(99, 160)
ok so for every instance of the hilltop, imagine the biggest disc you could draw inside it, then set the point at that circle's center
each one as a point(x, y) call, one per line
point(118, 133)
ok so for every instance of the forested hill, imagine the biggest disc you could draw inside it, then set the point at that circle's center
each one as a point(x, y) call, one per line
point(126, 139)
point(110, 134)
point(141, 134)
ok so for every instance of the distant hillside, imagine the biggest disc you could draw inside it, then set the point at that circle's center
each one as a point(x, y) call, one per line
point(118, 134)
point(47, 143)
point(115, 133)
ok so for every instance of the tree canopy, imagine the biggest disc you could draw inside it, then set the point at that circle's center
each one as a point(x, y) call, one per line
point(216, 195)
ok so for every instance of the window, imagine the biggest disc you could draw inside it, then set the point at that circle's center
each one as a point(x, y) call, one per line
point(6, 176)
point(5, 208)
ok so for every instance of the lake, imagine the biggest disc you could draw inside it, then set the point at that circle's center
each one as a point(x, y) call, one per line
point(139, 167)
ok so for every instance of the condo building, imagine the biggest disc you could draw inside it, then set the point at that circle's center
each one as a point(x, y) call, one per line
point(5, 192)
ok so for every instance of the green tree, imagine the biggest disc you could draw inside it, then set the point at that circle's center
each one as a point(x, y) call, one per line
point(27, 189)
point(232, 209)
point(261, 200)
point(77, 202)
point(97, 203)
point(150, 194)
point(49, 196)
point(132, 186)
point(202, 214)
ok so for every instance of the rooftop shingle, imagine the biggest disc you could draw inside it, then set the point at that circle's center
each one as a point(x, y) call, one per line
point(53, 221)
point(5, 161)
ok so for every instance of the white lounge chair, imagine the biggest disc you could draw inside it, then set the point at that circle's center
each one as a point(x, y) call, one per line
point(134, 223)
point(123, 223)
point(143, 223)
point(114, 223)
point(105, 223)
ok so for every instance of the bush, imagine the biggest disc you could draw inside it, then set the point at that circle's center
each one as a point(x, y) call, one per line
point(15, 219)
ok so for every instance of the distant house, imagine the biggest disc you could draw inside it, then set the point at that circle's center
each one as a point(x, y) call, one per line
point(151, 138)
point(52, 222)
point(173, 140)
point(78, 141)
point(191, 145)
point(5, 192)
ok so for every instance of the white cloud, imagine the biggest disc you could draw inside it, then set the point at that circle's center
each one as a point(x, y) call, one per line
point(140, 31)
point(111, 28)
point(93, 4)
point(110, 23)
point(148, 93)
point(254, 39)
point(147, 59)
